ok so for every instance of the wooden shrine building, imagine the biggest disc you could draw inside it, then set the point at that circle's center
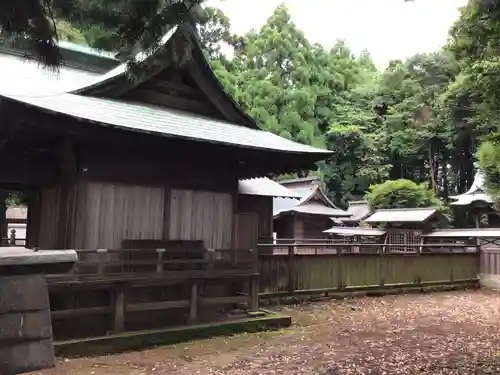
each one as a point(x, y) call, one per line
point(308, 217)
point(143, 178)
point(359, 211)
point(405, 226)
point(476, 204)
point(156, 157)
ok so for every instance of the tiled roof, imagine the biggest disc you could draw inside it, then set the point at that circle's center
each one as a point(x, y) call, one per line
point(265, 187)
point(476, 193)
point(17, 213)
point(58, 94)
point(162, 121)
point(346, 231)
point(314, 208)
point(402, 215)
point(359, 211)
point(309, 204)
point(465, 233)
point(25, 78)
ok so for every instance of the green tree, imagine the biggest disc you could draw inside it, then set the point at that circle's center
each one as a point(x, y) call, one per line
point(413, 133)
point(355, 164)
point(273, 68)
point(33, 23)
point(488, 156)
point(401, 194)
point(472, 100)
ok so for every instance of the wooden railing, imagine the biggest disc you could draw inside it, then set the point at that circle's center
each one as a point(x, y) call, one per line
point(105, 263)
point(342, 267)
point(12, 240)
point(124, 273)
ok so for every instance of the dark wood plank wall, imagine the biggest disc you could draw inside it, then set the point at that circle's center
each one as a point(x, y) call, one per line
point(201, 215)
point(184, 169)
point(57, 207)
point(263, 207)
point(314, 225)
point(102, 195)
point(245, 231)
point(302, 226)
point(284, 226)
point(107, 213)
point(174, 89)
point(113, 212)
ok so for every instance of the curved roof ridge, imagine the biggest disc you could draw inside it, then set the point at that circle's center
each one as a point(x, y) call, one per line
point(190, 31)
point(121, 69)
point(317, 190)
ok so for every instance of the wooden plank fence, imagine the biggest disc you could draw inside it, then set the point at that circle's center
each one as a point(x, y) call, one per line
point(490, 263)
point(112, 287)
point(329, 267)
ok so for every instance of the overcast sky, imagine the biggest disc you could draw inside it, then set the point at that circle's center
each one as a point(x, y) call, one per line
point(389, 29)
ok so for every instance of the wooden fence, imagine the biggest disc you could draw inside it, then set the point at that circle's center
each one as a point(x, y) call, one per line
point(127, 289)
point(490, 263)
point(13, 239)
point(331, 267)
point(120, 290)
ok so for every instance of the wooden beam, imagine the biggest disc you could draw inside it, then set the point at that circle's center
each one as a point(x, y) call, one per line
point(119, 310)
point(3, 218)
point(68, 163)
point(81, 311)
point(171, 101)
point(193, 303)
point(176, 88)
point(22, 170)
point(243, 300)
point(163, 305)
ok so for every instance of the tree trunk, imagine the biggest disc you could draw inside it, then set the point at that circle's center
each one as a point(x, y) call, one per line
point(432, 171)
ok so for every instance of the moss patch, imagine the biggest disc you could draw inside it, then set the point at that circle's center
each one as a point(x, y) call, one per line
point(144, 339)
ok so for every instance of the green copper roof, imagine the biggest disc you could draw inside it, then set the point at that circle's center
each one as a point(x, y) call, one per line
point(60, 94)
point(163, 121)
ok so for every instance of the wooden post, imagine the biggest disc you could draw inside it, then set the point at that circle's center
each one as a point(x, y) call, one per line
point(420, 250)
point(193, 304)
point(3, 215)
point(340, 277)
point(12, 240)
point(452, 272)
point(381, 265)
point(119, 310)
point(210, 258)
point(101, 261)
point(159, 265)
point(255, 259)
point(254, 293)
point(291, 268)
point(254, 282)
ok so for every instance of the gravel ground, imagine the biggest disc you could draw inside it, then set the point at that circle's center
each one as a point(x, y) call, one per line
point(441, 333)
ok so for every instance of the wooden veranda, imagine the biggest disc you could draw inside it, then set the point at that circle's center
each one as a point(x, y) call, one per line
point(117, 290)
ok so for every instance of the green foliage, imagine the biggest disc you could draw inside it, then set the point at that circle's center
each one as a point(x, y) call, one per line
point(123, 24)
point(16, 199)
point(421, 119)
point(67, 32)
point(407, 122)
point(472, 101)
point(401, 194)
point(488, 156)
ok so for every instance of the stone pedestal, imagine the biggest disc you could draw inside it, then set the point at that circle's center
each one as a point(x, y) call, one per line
point(25, 327)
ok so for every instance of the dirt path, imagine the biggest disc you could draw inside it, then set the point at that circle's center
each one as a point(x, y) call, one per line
point(442, 333)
